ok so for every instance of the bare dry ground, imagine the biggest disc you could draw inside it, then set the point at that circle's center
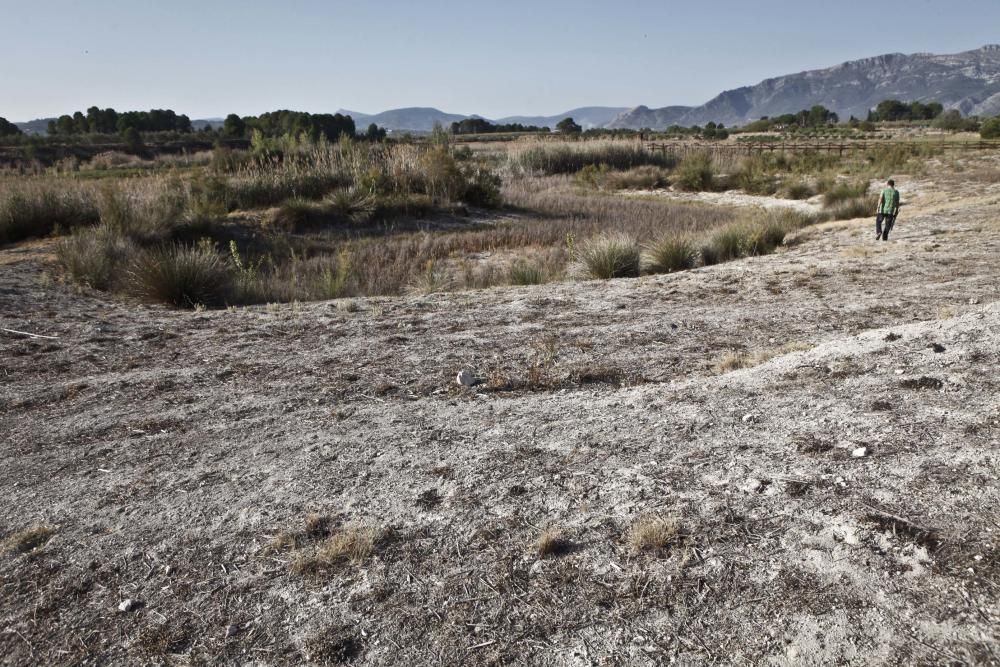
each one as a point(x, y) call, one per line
point(308, 484)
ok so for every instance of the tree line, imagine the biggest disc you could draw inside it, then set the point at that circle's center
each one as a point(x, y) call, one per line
point(271, 124)
point(483, 126)
point(109, 121)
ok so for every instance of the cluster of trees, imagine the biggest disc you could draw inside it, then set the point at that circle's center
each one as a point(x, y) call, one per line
point(8, 129)
point(990, 129)
point(293, 123)
point(483, 126)
point(109, 121)
point(568, 126)
point(892, 110)
point(817, 116)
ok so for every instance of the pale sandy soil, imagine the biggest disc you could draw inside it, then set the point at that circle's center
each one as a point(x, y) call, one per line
point(176, 458)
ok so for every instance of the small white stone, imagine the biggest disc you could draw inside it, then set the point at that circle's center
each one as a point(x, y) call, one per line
point(973, 301)
point(465, 378)
point(129, 605)
point(860, 452)
point(748, 417)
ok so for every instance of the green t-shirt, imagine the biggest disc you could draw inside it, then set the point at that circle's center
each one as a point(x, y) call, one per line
point(890, 201)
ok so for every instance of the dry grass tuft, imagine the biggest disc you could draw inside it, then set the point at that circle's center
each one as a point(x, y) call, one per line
point(351, 545)
point(27, 540)
point(610, 256)
point(735, 360)
point(653, 533)
point(552, 543)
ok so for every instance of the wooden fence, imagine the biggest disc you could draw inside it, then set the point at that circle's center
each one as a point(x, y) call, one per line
point(682, 148)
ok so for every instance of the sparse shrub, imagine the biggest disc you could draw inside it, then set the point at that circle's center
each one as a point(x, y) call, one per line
point(444, 178)
point(844, 191)
point(482, 188)
point(94, 256)
point(990, 129)
point(695, 173)
point(756, 176)
point(180, 276)
point(350, 545)
point(295, 215)
point(430, 280)
point(525, 273)
point(566, 158)
point(592, 175)
point(40, 207)
point(798, 189)
point(729, 243)
point(857, 207)
point(737, 359)
point(733, 360)
point(647, 177)
point(610, 256)
point(27, 540)
point(552, 543)
point(670, 253)
point(653, 534)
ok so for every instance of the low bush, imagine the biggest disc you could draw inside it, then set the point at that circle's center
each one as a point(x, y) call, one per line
point(798, 188)
point(569, 158)
point(640, 178)
point(525, 273)
point(757, 176)
point(36, 209)
point(849, 209)
point(843, 191)
point(694, 173)
point(990, 129)
point(94, 256)
point(610, 256)
point(669, 254)
point(182, 276)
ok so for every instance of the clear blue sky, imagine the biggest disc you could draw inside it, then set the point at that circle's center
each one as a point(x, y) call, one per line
point(211, 57)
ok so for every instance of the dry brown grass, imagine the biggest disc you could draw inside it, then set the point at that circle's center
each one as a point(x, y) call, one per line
point(653, 533)
point(27, 540)
point(352, 545)
point(552, 542)
point(737, 359)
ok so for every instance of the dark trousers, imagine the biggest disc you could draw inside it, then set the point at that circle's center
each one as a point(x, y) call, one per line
point(889, 220)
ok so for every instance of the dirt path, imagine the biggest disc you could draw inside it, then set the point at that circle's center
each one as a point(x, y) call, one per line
point(177, 459)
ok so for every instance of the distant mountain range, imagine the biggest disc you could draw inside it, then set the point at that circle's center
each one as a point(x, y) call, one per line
point(422, 119)
point(969, 82)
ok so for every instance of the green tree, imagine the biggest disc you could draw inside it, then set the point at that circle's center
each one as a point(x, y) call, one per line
point(568, 126)
point(8, 129)
point(133, 140)
point(990, 129)
point(234, 126)
point(950, 120)
point(375, 133)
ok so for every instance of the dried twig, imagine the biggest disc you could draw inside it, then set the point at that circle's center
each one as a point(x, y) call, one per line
point(29, 335)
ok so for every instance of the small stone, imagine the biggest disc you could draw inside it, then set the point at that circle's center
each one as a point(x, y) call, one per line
point(937, 348)
point(129, 605)
point(465, 378)
point(973, 301)
point(749, 418)
point(232, 630)
point(860, 452)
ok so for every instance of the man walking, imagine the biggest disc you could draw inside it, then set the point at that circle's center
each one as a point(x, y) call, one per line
point(888, 209)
